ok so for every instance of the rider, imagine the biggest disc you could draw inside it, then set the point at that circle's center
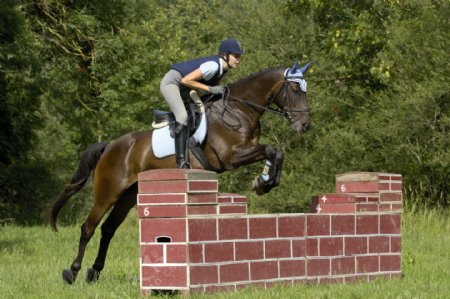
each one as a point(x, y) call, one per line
point(202, 74)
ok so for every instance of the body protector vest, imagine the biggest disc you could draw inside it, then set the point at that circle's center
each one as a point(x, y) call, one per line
point(189, 66)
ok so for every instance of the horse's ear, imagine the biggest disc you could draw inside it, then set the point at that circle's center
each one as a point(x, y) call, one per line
point(294, 68)
point(305, 68)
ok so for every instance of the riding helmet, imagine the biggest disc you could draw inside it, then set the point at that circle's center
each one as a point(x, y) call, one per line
point(231, 46)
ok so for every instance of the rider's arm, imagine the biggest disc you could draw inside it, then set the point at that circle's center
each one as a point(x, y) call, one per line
point(191, 80)
point(205, 72)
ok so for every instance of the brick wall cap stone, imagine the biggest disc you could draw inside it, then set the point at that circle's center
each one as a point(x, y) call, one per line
point(176, 174)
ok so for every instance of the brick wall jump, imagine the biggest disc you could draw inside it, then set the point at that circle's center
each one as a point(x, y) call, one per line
point(193, 238)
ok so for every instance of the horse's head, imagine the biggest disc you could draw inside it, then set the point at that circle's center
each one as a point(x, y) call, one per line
point(292, 98)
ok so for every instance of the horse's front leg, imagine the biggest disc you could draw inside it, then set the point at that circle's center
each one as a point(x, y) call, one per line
point(254, 153)
point(271, 175)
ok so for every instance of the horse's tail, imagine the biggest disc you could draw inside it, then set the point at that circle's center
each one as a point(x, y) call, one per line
point(88, 162)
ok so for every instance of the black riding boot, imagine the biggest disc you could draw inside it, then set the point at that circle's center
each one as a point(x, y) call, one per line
point(181, 137)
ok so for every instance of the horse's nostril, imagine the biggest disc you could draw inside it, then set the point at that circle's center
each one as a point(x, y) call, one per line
point(305, 126)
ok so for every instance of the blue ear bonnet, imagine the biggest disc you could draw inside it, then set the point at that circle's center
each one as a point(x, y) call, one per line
point(295, 74)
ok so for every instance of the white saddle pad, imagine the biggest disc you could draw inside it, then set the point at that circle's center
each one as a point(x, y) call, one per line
point(163, 144)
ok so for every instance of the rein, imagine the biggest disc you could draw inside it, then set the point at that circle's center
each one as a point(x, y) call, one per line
point(267, 108)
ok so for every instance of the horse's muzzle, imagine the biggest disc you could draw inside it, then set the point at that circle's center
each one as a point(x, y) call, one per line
point(301, 125)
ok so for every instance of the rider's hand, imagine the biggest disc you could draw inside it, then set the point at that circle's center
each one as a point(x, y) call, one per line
point(216, 90)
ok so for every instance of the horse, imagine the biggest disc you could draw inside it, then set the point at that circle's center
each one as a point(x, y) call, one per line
point(232, 140)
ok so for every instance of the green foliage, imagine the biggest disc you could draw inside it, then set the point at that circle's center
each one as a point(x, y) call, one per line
point(76, 72)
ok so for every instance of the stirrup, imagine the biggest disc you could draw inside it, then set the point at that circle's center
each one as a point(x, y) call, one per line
point(184, 165)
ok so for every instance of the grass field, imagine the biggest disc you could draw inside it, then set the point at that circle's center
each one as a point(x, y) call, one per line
point(32, 259)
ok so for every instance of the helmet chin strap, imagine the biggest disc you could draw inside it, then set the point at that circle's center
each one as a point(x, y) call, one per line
point(227, 60)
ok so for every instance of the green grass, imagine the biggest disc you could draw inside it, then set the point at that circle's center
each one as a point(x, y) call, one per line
point(32, 259)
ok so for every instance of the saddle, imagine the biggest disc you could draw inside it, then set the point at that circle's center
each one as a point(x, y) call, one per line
point(194, 108)
point(196, 124)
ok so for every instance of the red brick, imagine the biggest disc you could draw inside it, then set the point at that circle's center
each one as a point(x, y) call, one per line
point(202, 229)
point(164, 276)
point(196, 253)
point(277, 249)
point(396, 177)
point(176, 253)
point(262, 227)
point(366, 264)
point(152, 228)
point(193, 198)
point(367, 207)
point(331, 198)
point(396, 244)
point(389, 207)
point(336, 208)
point(343, 265)
point(357, 187)
point(233, 209)
point(292, 268)
point(396, 186)
point(237, 198)
point(202, 186)
point(390, 224)
point(161, 211)
point(232, 228)
point(385, 186)
point(312, 247)
point(379, 244)
point(391, 196)
point(317, 225)
point(224, 198)
point(219, 252)
point(390, 262)
point(263, 270)
point(162, 187)
point(291, 226)
point(204, 274)
point(152, 253)
point(318, 267)
point(366, 224)
point(231, 198)
point(384, 177)
point(367, 197)
point(234, 272)
point(342, 224)
point(355, 245)
point(331, 246)
point(249, 250)
point(201, 210)
point(298, 248)
point(161, 198)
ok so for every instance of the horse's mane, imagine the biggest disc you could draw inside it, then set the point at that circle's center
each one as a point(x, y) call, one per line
point(252, 76)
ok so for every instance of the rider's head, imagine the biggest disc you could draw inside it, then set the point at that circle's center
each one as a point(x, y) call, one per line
point(231, 50)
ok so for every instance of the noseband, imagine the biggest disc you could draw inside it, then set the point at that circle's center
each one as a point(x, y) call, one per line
point(286, 110)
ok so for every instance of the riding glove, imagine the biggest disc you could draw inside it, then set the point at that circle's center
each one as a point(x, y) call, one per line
point(217, 89)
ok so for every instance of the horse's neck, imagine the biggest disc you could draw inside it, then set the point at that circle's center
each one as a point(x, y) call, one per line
point(248, 99)
point(258, 88)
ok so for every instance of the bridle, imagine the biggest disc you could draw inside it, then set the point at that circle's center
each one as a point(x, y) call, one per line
point(277, 111)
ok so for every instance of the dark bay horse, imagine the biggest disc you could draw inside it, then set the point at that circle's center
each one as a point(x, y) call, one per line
point(232, 141)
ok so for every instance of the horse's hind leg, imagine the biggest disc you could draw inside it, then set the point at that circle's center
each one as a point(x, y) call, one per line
point(87, 231)
point(109, 227)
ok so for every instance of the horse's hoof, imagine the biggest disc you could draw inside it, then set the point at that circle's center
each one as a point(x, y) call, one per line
point(69, 276)
point(258, 185)
point(92, 275)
